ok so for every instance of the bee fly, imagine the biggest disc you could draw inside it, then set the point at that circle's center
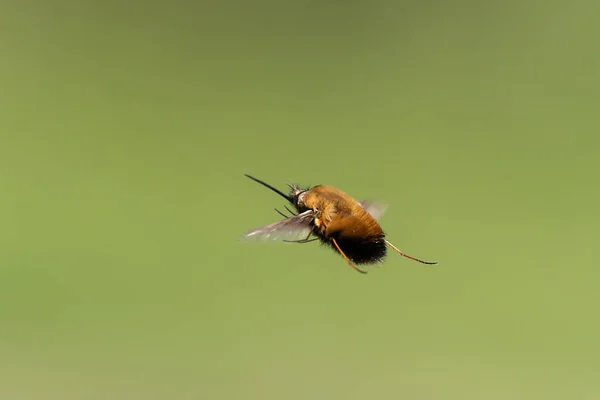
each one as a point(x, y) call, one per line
point(348, 226)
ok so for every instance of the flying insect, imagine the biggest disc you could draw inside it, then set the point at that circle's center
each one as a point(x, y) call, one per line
point(336, 219)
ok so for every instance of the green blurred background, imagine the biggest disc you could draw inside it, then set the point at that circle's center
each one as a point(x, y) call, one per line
point(125, 131)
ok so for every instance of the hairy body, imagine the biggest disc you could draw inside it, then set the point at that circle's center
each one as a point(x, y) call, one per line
point(339, 216)
point(338, 220)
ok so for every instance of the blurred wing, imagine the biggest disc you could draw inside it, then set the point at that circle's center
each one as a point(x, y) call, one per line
point(292, 228)
point(375, 208)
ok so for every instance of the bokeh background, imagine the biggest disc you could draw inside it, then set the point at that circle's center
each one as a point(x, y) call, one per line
point(125, 131)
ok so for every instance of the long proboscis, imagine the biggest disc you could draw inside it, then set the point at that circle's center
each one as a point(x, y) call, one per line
point(285, 196)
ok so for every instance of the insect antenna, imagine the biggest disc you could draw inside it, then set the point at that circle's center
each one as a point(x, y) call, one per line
point(346, 257)
point(407, 256)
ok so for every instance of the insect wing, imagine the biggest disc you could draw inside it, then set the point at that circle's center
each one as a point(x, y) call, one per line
point(292, 228)
point(375, 208)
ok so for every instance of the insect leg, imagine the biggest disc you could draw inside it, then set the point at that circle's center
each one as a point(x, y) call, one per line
point(290, 211)
point(407, 256)
point(282, 214)
point(302, 240)
point(346, 257)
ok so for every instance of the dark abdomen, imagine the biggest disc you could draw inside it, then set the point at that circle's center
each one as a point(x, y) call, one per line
point(361, 250)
